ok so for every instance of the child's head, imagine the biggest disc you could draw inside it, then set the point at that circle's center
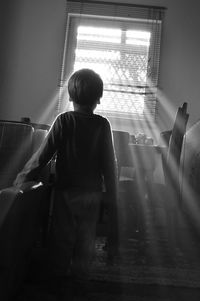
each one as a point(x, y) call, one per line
point(85, 87)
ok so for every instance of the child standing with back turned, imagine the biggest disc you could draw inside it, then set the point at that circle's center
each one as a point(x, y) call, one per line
point(85, 163)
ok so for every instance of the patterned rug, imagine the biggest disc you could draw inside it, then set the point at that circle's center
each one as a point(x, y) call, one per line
point(149, 262)
point(146, 270)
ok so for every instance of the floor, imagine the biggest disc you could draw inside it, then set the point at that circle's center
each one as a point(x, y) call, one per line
point(37, 288)
point(183, 250)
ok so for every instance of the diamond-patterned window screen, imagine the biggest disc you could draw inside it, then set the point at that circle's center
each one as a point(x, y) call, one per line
point(125, 52)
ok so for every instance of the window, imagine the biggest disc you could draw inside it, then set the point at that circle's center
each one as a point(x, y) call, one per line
point(123, 50)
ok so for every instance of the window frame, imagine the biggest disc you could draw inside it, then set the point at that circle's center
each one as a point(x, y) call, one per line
point(73, 21)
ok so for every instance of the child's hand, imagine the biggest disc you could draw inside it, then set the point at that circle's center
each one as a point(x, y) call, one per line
point(18, 182)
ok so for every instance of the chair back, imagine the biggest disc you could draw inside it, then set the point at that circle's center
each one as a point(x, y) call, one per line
point(190, 173)
point(175, 145)
point(178, 132)
point(122, 150)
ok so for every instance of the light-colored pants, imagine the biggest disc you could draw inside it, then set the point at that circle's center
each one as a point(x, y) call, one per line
point(75, 216)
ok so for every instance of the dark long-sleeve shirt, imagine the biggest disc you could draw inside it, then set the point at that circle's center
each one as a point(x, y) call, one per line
point(85, 158)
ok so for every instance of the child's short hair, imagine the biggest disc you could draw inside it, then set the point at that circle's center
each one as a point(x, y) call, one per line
point(85, 87)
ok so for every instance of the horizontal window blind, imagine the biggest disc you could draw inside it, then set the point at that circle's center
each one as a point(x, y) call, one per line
point(122, 44)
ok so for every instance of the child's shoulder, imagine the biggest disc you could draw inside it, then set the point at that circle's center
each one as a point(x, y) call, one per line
point(105, 123)
point(65, 115)
point(101, 117)
point(69, 115)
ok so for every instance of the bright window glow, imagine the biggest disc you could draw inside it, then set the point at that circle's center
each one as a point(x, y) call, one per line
point(102, 31)
point(139, 38)
point(115, 66)
point(100, 68)
point(123, 58)
point(97, 54)
point(98, 34)
point(138, 34)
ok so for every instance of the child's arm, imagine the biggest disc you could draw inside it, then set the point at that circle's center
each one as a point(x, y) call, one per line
point(40, 158)
point(111, 180)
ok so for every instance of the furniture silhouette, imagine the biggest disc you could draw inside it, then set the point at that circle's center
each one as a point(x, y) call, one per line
point(18, 141)
point(167, 195)
point(24, 212)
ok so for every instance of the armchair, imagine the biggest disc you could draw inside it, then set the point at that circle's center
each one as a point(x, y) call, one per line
point(23, 213)
point(18, 141)
point(167, 195)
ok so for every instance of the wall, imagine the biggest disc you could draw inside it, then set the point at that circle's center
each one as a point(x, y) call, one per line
point(180, 59)
point(32, 54)
point(33, 41)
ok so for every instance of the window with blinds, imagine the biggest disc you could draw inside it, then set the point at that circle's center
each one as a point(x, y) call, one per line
point(124, 50)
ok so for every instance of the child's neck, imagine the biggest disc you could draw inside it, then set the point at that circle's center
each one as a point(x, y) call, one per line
point(83, 109)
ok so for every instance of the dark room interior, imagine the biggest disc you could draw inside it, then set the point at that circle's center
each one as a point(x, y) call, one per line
point(146, 54)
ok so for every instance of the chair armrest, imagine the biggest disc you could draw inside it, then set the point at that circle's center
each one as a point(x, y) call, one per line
point(21, 211)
